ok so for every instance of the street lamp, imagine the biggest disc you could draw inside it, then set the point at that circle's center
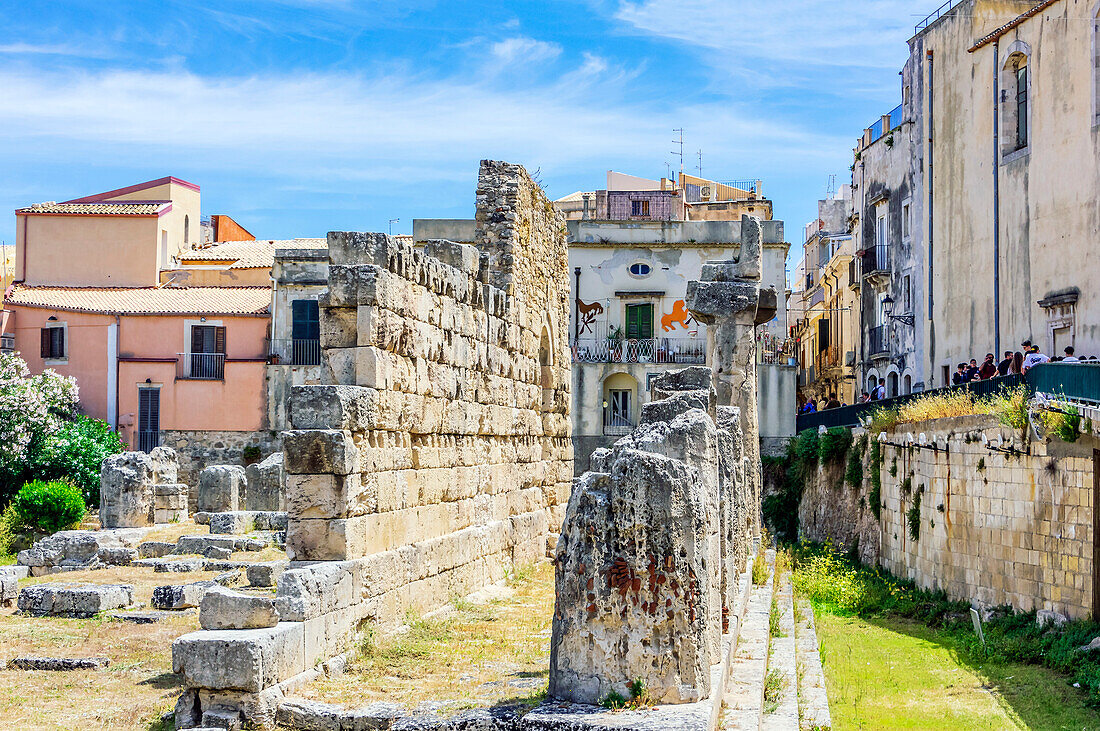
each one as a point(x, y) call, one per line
point(888, 308)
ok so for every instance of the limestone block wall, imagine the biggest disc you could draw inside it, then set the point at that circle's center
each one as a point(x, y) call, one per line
point(198, 450)
point(994, 527)
point(437, 454)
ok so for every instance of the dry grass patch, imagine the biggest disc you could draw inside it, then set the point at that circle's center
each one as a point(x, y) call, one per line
point(171, 532)
point(476, 654)
point(130, 694)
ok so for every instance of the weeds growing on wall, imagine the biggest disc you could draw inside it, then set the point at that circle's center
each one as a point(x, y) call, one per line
point(807, 449)
point(780, 508)
point(854, 474)
point(882, 420)
point(827, 578)
point(834, 444)
point(1065, 424)
point(894, 468)
point(875, 496)
point(913, 517)
point(1011, 407)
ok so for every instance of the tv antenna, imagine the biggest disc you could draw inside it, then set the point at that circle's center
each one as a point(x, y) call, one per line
point(699, 154)
point(392, 222)
point(830, 192)
point(680, 142)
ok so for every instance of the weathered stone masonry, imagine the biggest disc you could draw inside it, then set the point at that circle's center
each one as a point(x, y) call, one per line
point(436, 457)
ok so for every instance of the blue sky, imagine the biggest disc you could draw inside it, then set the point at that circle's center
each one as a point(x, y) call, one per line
point(302, 116)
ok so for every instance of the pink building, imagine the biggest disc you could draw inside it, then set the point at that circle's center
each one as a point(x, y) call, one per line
point(102, 293)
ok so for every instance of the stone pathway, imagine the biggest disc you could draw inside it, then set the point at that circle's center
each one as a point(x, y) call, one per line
point(790, 657)
point(813, 700)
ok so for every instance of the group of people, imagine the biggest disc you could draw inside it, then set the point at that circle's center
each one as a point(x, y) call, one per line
point(1013, 363)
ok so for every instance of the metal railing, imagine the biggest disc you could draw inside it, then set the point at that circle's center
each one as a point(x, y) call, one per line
point(774, 350)
point(876, 340)
point(295, 351)
point(876, 259)
point(1070, 381)
point(750, 186)
point(852, 415)
point(935, 15)
point(616, 424)
point(147, 441)
point(200, 366)
point(650, 350)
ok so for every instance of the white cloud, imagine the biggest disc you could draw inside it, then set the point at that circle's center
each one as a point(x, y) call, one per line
point(520, 49)
point(51, 49)
point(853, 33)
point(346, 126)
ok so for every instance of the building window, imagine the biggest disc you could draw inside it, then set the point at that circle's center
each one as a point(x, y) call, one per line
point(639, 208)
point(1016, 99)
point(206, 360)
point(639, 322)
point(650, 379)
point(53, 342)
point(305, 332)
point(906, 220)
point(148, 432)
point(640, 269)
point(1021, 106)
point(907, 293)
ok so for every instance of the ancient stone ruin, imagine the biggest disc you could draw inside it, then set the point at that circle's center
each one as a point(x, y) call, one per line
point(138, 489)
point(658, 532)
point(435, 458)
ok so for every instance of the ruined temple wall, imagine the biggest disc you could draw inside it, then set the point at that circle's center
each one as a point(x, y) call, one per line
point(435, 457)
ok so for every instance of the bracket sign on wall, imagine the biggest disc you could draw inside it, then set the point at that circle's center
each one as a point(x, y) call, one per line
point(588, 315)
point(679, 315)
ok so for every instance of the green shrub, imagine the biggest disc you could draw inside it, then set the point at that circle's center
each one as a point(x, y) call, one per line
point(613, 700)
point(854, 474)
point(780, 508)
point(807, 449)
point(48, 506)
point(7, 531)
point(1011, 407)
point(75, 453)
point(834, 444)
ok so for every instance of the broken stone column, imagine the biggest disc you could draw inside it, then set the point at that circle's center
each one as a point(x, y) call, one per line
point(265, 485)
point(127, 486)
point(638, 563)
point(221, 488)
point(729, 300)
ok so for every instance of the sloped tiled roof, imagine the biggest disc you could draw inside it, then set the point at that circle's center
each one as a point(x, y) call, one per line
point(106, 208)
point(146, 300)
point(249, 254)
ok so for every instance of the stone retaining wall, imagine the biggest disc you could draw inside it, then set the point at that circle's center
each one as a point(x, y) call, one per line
point(994, 526)
point(198, 450)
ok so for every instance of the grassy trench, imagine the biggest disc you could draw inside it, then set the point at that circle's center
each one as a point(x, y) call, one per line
point(897, 657)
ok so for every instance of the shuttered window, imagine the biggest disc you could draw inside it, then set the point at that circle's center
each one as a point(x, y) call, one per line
point(305, 320)
point(53, 342)
point(639, 322)
point(207, 339)
point(823, 333)
point(148, 409)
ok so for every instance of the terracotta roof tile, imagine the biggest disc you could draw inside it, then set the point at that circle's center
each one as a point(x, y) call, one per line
point(249, 254)
point(106, 208)
point(146, 300)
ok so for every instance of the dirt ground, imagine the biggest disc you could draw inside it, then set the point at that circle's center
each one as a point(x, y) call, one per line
point(137, 687)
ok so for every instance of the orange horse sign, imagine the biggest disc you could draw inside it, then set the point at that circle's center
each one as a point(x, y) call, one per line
point(678, 315)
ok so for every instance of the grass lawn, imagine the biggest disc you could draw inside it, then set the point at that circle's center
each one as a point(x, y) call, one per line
point(476, 654)
point(894, 673)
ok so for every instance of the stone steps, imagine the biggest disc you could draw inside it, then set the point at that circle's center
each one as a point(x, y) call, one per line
point(743, 700)
point(782, 661)
point(813, 699)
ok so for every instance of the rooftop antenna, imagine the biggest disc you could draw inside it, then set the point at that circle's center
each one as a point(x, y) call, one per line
point(668, 170)
point(700, 156)
point(681, 152)
point(392, 222)
point(830, 192)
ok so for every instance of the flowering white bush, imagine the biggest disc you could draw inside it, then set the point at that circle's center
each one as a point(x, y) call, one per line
point(30, 407)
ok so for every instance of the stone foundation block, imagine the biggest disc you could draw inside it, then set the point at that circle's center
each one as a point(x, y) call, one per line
point(74, 600)
point(322, 451)
point(265, 484)
point(246, 521)
point(126, 490)
point(221, 488)
point(225, 609)
point(180, 596)
point(199, 544)
point(265, 574)
point(247, 660)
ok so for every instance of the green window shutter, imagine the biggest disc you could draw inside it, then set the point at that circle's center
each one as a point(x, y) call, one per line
point(305, 320)
point(639, 322)
point(646, 325)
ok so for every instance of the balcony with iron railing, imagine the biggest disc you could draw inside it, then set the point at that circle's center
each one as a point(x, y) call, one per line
point(200, 366)
point(295, 352)
point(877, 344)
point(771, 349)
point(679, 351)
point(876, 264)
point(935, 15)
